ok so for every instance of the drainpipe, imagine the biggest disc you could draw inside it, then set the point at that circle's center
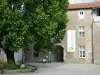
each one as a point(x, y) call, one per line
point(92, 43)
point(92, 29)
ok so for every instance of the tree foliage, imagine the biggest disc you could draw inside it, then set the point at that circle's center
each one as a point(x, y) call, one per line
point(50, 23)
point(22, 22)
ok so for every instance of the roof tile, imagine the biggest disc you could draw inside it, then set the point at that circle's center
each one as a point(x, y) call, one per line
point(84, 5)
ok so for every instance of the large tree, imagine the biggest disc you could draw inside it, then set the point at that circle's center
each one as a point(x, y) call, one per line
point(50, 23)
point(22, 22)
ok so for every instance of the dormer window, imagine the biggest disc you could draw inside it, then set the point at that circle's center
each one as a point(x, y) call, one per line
point(81, 14)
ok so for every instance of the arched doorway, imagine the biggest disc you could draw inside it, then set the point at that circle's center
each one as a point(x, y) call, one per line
point(59, 53)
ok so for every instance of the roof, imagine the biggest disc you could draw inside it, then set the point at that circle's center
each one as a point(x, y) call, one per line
point(84, 5)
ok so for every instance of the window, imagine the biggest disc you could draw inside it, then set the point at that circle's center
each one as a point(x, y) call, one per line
point(81, 51)
point(81, 14)
point(98, 12)
point(82, 31)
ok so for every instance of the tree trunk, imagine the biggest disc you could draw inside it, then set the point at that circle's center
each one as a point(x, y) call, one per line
point(9, 54)
point(10, 57)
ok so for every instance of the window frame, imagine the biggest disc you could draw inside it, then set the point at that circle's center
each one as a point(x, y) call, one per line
point(81, 14)
point(82, 49)
point(81, 31)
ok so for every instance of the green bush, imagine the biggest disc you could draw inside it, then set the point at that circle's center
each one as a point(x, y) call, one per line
point(14, 67)
point(10, 67)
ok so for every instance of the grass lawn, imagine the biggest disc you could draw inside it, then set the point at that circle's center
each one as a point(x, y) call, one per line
point(14, 67)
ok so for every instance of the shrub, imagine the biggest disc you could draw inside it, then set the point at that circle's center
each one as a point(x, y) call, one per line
point(10, 67)
point(14, 67)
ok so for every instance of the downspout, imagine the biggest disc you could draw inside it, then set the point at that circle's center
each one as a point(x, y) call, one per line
point(92, 29)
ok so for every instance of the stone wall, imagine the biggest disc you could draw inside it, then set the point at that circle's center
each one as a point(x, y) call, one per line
point(73, 24)
point(96, 42)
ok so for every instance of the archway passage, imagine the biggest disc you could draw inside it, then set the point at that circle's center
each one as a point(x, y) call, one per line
point(59, 53)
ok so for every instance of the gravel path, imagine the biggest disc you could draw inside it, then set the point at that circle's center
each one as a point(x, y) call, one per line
point(63, 69)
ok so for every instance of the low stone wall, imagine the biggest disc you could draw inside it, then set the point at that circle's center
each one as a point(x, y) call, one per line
point(32, 69)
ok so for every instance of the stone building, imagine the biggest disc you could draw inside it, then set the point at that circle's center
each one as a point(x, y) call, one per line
point(81, 42)
point(83, 26)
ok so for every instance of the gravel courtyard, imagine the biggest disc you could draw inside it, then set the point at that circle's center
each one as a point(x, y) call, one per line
point(63, 69)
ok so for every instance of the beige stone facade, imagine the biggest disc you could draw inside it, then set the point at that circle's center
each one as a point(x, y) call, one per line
point(91, 43)
point(96, 42)
point(73, 24)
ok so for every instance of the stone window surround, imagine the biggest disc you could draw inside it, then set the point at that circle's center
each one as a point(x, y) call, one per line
point(81, 31)
point(82, 50)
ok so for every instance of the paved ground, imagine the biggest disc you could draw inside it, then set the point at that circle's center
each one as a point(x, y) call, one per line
point(64, 69)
